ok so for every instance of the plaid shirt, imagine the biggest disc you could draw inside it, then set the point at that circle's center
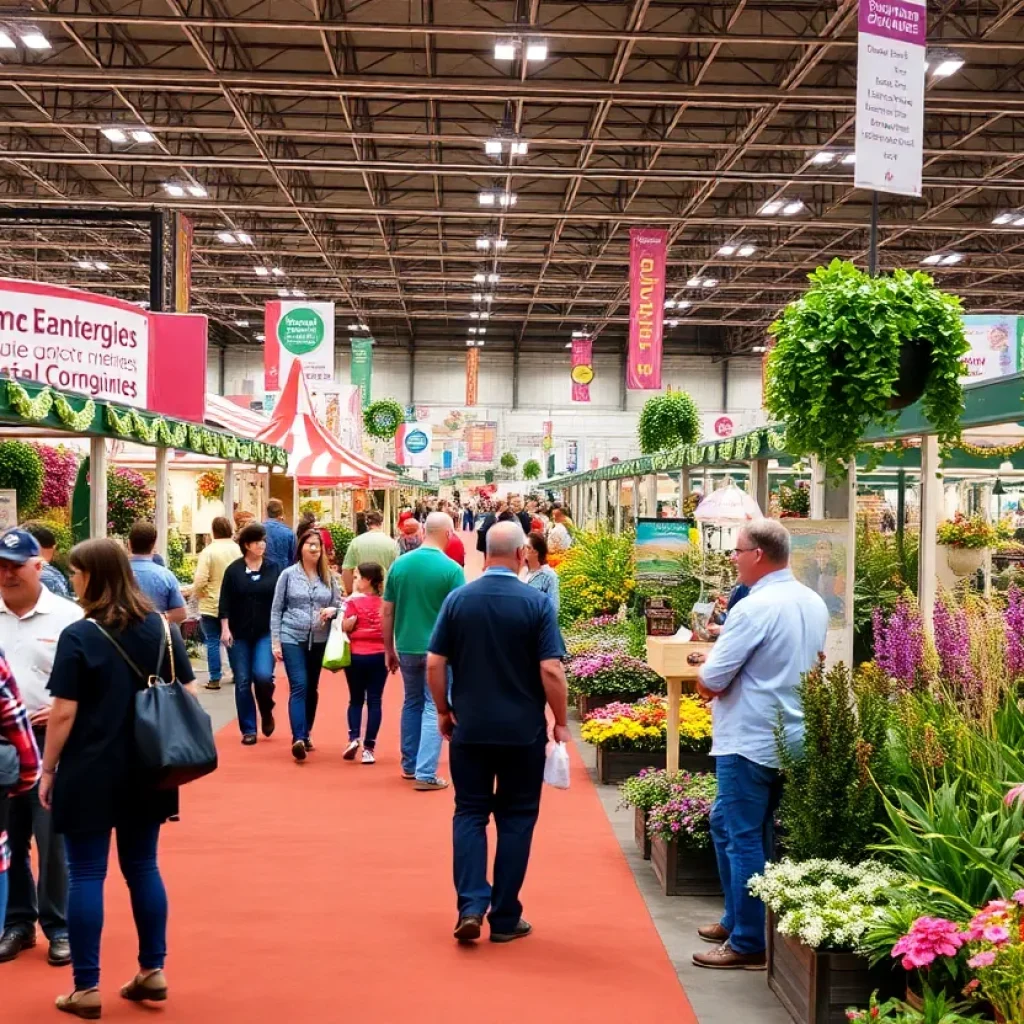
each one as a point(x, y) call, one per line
point(16, 730)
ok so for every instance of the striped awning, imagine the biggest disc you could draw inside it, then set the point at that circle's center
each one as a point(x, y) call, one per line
point(315, 457)
point(222, 412)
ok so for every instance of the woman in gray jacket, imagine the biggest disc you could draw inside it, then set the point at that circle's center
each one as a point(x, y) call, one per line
point(306, 599)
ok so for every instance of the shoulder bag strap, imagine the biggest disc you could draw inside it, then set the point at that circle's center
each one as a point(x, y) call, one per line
point(170, 648)
point(129, 662)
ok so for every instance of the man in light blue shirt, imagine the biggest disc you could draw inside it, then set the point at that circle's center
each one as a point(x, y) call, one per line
point(158, 583)
point(771, 638)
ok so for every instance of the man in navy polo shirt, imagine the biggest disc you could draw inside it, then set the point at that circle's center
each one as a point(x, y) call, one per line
point(501, 640)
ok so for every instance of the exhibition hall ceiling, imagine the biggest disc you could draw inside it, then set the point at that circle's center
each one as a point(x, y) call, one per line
point(434, 166)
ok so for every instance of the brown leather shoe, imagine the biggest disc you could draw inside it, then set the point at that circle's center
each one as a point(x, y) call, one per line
point(713, 933)
point(725, 958)
point(468, 928)
point(146, 988)
point(85, 1004)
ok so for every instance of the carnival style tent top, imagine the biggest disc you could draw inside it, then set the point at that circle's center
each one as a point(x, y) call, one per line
point(315, 457)
point(229, 415)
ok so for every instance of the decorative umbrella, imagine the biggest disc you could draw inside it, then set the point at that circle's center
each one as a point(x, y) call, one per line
point(728, 506)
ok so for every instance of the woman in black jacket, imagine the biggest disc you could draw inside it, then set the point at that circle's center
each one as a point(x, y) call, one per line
point(246, 596)
point(92, 778)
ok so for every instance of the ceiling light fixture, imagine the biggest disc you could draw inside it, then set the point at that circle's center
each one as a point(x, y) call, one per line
point(6, 42)
point(771, 207)
point(942, 63)
point(950, 258)
point(244, 238)
point(747, 250)
point(493, 147)
point(298, 293)
point(520, 148)
point(142, 136)
point(483, 243)
point(173, 190)
point(261, 271)
point(702, 282)
point(277, 271)
point(759, 349)
point(792, 208)
point(114, 134)
point(226, 237)
point(33, 39)
point(672, 323)
point(493, 278)
point(479, 278)
point(1019, 222)
point(581, 334)
point(86, 265)
point(537, 49)
point(670, 303)
point(1003, 218)
point(683, 304)
point(241, 323)
point(850, 158)
point(100, 265)
point(505, 49)
point(283, 293)
point(932, 259)
point(198, 191)
point(261, 337)
point(727, 250)
point(824, 157)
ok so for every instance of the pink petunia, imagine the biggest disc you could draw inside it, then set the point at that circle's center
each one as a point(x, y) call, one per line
point(1018, 897)
point(983, 959)
point(997, 935)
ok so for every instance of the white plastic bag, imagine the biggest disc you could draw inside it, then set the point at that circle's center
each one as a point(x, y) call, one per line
point(556, 766)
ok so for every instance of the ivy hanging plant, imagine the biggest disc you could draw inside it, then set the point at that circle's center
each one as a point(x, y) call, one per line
point(22, 471)
point(849, 352)
point(383, 418)
point(668, 421)
point(531, 469)
point(509, 460)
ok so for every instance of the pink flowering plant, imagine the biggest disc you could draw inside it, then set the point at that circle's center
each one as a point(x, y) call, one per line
point(60, 467)
point(900, 646)
point(649, 787)
point(615, 674)
point(686, 815)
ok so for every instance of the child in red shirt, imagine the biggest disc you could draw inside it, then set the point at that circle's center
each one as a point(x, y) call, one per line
point(367, 672)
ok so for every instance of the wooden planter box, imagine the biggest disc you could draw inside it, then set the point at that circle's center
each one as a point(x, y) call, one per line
point(587, 702)
point(684, 872)
point(615, 766)
point(817, 986)
point(643, 840)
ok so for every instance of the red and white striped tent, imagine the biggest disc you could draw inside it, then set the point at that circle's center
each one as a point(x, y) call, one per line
point(228, 415)
point(315, 457)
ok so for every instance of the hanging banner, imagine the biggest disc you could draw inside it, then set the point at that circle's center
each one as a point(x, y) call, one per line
point(647, 249)
point(302, 331)
point(413, 444)
point(890, 96)
point(481, 440)
point(582, 369)
point(183, 235)
point(548, 440)
point(572, 456)
point(997, 347)
point(472, 375)
point(362, 367)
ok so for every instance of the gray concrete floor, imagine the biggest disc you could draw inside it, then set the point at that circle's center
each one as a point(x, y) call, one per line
point(717, 997)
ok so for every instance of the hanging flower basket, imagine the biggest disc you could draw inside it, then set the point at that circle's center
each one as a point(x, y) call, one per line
point(965, 561)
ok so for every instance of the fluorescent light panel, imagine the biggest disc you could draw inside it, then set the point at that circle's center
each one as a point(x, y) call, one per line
point(173, 190)
point(114, 134)
point(537, 49)
point(142, 136)
point(824, 157)
point(747, 250)
point(771, 208)
point(505, 49)
point(6, 42)
point(33, 39)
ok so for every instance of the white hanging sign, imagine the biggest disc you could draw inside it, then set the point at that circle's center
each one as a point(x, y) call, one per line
point(890, 96)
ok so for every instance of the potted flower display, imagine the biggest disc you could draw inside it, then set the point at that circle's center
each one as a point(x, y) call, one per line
point(643, 791)
point(966, 540)
point(820, 912)
point(629, 737)
point(680, 829)
point(598, 678)
point(852, 349)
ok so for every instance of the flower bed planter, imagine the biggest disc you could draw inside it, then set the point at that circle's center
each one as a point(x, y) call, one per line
point(685, 872)
point(643, 840)
point(615, 766)
point(817, 986)
point(587, 702)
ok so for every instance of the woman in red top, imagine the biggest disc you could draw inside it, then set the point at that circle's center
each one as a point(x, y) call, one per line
point(367, 672)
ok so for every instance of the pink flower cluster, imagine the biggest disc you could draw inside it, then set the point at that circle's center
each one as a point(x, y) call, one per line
point(928, 938)
point(899, 644)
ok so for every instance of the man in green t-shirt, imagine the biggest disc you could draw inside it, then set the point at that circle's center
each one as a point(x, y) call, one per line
point(373, 546)
point(416, 588)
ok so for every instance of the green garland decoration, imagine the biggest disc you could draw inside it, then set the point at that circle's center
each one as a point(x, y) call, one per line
point(40, 407)
point(383, 418)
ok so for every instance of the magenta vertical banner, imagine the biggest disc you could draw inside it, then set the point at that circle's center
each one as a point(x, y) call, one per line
point(582, 369)
point(647, 249)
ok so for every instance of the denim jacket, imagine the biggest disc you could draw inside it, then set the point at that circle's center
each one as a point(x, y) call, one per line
point(295, 614)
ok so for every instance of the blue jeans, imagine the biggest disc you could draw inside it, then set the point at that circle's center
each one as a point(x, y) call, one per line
point(742, 829)
point(366, 678)
point(421, 741)
point(211, 634)
point(303, 665)
point(3, 894)
point(252, 664)
point(504, 781)
point(88, 854)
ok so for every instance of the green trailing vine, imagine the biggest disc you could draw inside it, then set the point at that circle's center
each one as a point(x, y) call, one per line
point(835, 365)
point(383, 418)
point(531, 469)
point(509, 460)
point(668, 421)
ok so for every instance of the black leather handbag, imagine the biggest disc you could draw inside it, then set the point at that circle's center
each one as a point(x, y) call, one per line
point(173, 734)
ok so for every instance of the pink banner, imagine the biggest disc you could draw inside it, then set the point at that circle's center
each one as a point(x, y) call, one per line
point(582, 369)
point(647, 249)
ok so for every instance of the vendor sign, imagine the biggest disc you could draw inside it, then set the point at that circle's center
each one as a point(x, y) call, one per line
point(302, 331)
point(995, 347)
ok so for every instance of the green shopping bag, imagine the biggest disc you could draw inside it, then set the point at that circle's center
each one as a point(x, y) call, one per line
point(338, 654)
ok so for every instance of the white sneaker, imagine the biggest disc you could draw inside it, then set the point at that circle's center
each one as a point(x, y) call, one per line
point(351, 750)
point(368, 757)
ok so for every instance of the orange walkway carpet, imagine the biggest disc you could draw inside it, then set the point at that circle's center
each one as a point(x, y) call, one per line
point(322, 892)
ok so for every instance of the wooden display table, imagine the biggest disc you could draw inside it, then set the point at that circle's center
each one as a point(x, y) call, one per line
point(667, 656)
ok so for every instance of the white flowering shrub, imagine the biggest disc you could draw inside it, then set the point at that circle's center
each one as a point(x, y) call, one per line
point(827, 904)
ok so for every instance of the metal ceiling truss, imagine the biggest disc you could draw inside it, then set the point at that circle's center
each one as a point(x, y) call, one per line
point(346, 137)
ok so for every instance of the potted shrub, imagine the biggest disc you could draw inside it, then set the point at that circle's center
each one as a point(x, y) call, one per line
point(820, 912)
point(966, 539)
point(668, 421)
point(509, 460)
point(531, 469)
point(854, 348)
point(598, 678)
point(629, 737)
point(682, 855)
point(648, 788)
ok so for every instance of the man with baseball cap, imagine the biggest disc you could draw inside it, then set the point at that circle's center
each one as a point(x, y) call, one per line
point(31, 620)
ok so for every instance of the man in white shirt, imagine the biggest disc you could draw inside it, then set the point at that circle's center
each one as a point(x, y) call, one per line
point(559, 539)
point(31, 620)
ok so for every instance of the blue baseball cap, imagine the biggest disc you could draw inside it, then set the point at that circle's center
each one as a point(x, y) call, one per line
point(18, 546)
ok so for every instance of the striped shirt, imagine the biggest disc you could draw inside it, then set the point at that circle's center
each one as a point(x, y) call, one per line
point(16, 730)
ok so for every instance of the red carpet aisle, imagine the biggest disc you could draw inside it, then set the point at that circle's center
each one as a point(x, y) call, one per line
point(322, 892)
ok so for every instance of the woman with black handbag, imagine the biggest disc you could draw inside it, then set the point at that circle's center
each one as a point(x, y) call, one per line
point(94, 778)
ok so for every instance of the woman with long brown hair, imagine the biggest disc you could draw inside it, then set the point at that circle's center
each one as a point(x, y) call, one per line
point(92, 779)
point(306, 599)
